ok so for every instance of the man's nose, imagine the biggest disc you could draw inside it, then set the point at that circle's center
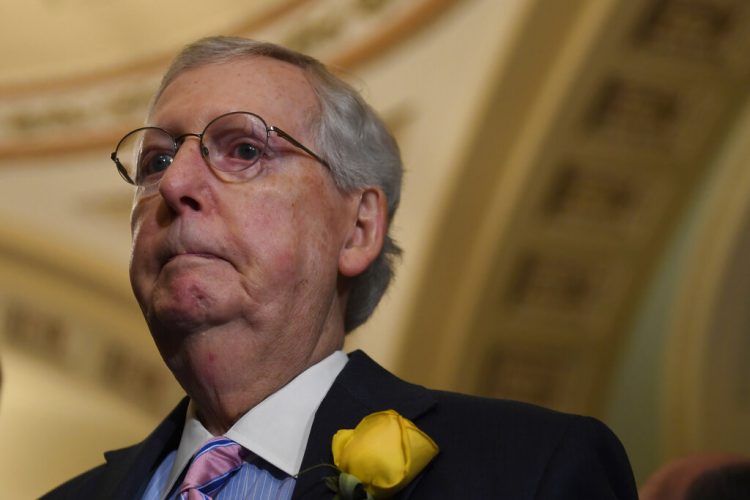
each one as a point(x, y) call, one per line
point(184, 183)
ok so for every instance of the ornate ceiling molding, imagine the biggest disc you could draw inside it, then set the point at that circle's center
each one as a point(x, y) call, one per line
point(79, 348)
point(91, 111)
point(76, 315)
point(617, 109)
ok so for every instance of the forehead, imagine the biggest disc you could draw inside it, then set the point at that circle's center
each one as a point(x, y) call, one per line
point(276, 90)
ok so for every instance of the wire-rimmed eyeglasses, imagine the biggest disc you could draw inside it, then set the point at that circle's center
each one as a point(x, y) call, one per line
point(232, 143)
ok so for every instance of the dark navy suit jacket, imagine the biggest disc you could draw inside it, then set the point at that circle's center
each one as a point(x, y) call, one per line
point(489, 449)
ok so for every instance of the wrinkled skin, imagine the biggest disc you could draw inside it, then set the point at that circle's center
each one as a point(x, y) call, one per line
point(243, 282)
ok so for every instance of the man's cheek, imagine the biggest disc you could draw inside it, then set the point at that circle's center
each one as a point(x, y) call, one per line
point(137, 213)
point(138, 283)
point(143, 268)
point(138, 235)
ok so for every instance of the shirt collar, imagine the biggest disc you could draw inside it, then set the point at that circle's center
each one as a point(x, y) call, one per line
point(277, 428)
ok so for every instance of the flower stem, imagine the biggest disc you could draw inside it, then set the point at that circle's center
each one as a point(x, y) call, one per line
point(315, 467)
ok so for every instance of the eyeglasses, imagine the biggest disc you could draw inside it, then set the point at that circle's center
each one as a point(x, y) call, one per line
point(232, 143)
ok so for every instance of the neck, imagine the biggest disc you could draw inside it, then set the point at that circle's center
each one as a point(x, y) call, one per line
point(226, 376)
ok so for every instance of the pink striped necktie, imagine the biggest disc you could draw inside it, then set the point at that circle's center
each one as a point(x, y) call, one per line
point(213, 465)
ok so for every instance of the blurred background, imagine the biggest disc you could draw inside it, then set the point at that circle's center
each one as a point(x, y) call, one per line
point(575, 215)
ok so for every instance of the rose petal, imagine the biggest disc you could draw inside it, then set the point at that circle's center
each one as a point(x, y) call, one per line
point(385, 451)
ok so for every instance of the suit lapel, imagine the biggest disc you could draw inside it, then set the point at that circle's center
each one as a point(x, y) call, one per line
point(363, 387)
point(130, 469)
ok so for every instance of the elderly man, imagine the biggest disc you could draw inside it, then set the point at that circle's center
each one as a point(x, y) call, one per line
point(265, 187)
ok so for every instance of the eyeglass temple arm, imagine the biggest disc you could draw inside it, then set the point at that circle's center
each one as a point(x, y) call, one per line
point(120, 169)
point(298, 144)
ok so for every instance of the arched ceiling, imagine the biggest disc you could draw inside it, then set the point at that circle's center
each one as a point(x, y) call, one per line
point(602, 125)
point(84, 71)
point(49, 42)
point(56, 40)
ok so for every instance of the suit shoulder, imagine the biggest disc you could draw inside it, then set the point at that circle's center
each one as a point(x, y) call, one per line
point(127, 469)
point(536, 452)
point(86, 485)
point(503, 411)
point(518, 425)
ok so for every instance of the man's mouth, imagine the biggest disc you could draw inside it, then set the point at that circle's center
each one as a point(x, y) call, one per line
point(191, 255)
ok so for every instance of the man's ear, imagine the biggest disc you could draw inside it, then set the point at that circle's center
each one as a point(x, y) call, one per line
point(365, 239)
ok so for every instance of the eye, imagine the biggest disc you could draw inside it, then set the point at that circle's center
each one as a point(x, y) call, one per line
point(235, 152)
point(158, 162)
point(235, 142)
point(248, 152)
point(154, 163)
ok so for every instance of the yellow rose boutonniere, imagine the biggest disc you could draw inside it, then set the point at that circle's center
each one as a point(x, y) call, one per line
point(379, 457)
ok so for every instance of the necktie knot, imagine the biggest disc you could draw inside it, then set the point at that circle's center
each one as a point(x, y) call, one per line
point(211, 467)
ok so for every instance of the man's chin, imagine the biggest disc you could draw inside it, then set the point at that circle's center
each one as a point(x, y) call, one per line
point(182, 295)
point(177, 319)
point(172, 330)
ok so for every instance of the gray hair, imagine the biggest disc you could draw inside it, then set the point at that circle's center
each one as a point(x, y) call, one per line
point(350, 137)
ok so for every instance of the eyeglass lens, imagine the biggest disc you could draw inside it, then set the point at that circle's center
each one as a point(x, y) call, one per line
point(230, 143)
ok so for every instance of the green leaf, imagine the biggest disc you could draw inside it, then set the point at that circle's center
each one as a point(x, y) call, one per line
point(333, 483)
point(348, 484)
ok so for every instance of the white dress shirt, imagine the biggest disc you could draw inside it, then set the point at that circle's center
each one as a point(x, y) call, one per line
point(276, 429)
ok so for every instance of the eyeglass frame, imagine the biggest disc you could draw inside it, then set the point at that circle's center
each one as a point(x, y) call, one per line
point(179, 141)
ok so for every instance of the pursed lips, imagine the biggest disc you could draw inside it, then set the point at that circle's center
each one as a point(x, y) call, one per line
point(195, 251)
point(201, 255)
point(170, 253)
